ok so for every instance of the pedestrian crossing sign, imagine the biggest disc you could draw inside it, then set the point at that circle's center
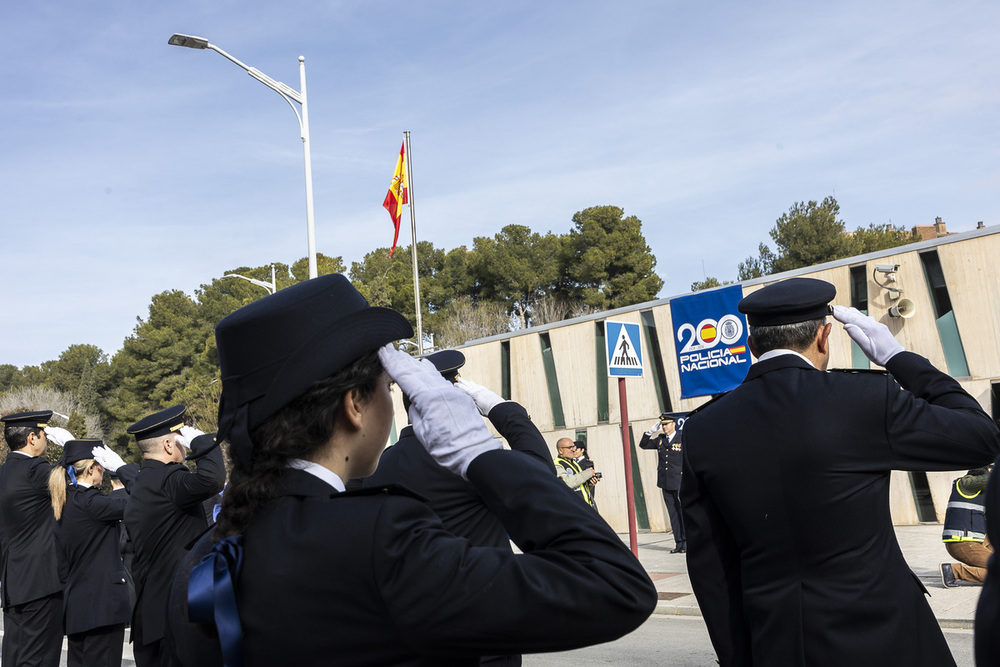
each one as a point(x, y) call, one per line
point(624, 347)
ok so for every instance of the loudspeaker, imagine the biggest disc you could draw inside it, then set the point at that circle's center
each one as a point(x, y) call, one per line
point(904, 308)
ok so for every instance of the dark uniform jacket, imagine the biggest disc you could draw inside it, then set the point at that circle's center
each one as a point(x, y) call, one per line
point(30, 568)
point(669, 459)
point(96, 592)
point(791, 550)
point(164, 517)
point(987, 639)
point(453, 499)
point(373, 578)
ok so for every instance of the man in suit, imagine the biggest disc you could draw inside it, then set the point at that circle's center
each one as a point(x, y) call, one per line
point(32, 589)
point(663, 437)
point(791, 551)
point(165, 516)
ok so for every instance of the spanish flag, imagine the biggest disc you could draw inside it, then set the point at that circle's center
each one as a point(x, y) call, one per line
point(396, 196)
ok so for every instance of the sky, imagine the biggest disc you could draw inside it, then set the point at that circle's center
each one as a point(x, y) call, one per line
point(129, 167)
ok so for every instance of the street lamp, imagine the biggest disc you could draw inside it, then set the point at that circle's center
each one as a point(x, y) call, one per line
point(290, 95)
point(271, 287)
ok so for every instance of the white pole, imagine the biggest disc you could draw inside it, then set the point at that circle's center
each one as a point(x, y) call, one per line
point(413, 248)
point(310, 220)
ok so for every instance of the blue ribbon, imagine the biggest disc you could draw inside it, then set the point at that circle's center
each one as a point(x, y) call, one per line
point(212, 596)
point(72, 473)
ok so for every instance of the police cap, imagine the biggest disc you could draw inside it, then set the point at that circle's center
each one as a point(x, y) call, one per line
point(78, 450)
point(160, 423)
point(447, 362)
point(788, 302)
point(36, 419)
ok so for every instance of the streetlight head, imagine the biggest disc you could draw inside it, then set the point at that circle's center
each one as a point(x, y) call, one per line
point(189, 41)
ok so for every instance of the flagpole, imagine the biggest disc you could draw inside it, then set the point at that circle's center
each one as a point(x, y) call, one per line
point(413, 248)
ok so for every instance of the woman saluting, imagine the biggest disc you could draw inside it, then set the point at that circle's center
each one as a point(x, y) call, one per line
point(95, 601)
point(300, 571)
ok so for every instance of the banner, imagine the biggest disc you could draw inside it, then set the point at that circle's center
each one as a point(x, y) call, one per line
point(710, 335)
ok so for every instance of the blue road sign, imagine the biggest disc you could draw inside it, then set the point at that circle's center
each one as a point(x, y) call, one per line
point(624, 346)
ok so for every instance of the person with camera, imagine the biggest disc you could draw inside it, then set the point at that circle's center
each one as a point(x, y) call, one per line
point(664, 438)
point(569, 470)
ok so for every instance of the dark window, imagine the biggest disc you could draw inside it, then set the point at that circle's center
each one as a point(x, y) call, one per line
point(951, 339)
point(552, 382)
point(922, 497)
point(859, 299)
point(505, 369)
point(603, 408)
point(638, 494)
point(656, 360)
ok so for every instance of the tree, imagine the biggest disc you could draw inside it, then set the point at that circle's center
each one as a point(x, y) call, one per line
point(879, 237)
point(516, 267)
point(464, 320)
point(708, 283)
point(810, 233)
point(607, 260)
point(324, 266)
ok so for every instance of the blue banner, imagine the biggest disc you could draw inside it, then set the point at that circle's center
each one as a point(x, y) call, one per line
point(710, 335)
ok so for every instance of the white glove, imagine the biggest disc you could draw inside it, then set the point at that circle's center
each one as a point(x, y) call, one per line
point(186, 435)
point(108, 458)
point(58, 436)
point(444, 418)
point(654, 429)
point(873, 337)
point(484, 399)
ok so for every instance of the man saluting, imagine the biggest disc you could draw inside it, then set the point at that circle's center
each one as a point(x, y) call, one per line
point(791, 550)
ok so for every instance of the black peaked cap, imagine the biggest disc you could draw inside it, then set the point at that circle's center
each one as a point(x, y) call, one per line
point(159, 423)
point(789, 301)
point(78, 450)
point(36, 419)
point(273, 349)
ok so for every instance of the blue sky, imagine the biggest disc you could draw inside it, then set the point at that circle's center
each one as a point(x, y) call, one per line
point(129, 167)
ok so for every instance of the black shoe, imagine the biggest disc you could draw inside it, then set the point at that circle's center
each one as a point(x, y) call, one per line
point(947, 576)
point(679, 550)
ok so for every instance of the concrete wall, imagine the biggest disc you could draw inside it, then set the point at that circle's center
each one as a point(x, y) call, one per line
point(973, 281)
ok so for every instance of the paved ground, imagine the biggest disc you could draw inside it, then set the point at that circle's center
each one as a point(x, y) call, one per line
point(921, 545)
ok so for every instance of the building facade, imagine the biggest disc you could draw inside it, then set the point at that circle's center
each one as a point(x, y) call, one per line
point(949, 289)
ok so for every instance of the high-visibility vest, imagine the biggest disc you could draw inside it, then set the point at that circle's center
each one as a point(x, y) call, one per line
point(965, 518)
point(574, 467)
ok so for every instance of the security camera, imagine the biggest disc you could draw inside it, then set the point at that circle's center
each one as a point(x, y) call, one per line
point(887, 268)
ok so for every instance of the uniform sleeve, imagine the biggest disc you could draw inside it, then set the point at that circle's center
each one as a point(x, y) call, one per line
point(186, 488)
point(109, 509)
point(646, 442)
point(931, 422)
point(492, 601)
point(38, 475)
point(127, 474)
point(714, 568)
point(511, 420)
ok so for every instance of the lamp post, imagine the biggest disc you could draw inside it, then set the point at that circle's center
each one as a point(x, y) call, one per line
point(271, 287)
point(290, 95)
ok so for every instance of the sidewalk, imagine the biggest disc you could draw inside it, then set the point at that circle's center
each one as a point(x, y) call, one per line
point(921, 545)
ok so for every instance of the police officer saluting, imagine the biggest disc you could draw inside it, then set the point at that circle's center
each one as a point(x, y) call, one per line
point(791, 550)
point(32, 591)
point(663, 437)
point(165, 515)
